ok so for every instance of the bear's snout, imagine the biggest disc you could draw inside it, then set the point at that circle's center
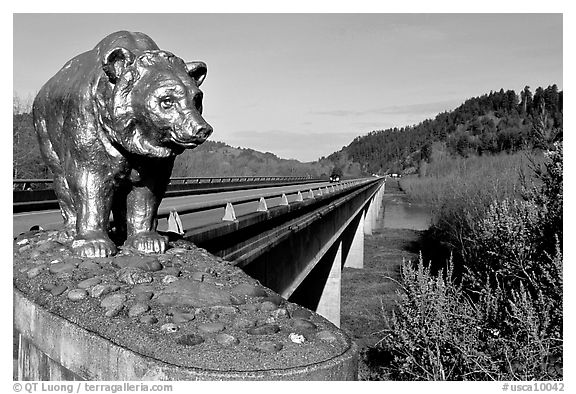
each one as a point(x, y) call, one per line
point(192, 133)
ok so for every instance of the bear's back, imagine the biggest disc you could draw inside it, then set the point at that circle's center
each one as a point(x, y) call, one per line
point(79, 74)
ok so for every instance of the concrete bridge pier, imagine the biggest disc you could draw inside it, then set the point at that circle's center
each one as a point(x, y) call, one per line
point(354, 237)
point(329, 303)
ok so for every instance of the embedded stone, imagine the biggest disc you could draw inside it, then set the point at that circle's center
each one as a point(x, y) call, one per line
point(303, 324)
point(199, 276)
point(113, 300)
point(145, 263)
point(72, 260)
point(143, 297)
point(327, 336)
point(35, 254)
point(57, 268)
point(268, 306)
point(86, 284)
point(250, 307)
point(186, 292)
point(226, 339)
point(77, 294)
point(114, 310)
point(296, 338)
point(46, 246)
point(274, 298)
point(169, 279)
point(265, 329)
point(224, 309)
point(182, 317)
point(246, 289)
point(143, 288)
point(176, 251)
point(57, 290)
point(243, 323)
point(133, 276)
point(280, 312)
point(174, 271)
point(235, 300)
point(211, 327)
point(24, 268)
point(102, 290)
point(190, 340)
point(148, 319)
point(169, 327)
point(138, 309)
point(64, 275)
point(302, 314)
point(268, 346)
point(48, 286)
point(35, 271)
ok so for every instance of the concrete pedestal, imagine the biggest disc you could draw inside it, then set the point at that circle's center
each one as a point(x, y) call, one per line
point(183, 315)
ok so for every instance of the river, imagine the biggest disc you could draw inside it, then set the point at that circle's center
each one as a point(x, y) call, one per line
point(399, 213)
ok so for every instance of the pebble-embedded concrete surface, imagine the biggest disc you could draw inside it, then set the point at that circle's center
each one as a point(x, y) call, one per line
point(185, 307)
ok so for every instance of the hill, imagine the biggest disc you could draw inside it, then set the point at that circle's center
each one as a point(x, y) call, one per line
point(500, 121)
point(214, 158)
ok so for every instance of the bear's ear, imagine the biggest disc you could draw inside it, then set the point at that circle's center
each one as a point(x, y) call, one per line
point(116, 61)
point(197, 70)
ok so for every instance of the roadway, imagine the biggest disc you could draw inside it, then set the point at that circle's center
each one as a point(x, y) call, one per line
point(52, 219)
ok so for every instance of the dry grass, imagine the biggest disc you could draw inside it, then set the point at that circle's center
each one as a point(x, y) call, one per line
point(449, 178)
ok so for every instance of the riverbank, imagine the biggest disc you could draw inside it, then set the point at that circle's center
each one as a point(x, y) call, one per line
point(370, 292)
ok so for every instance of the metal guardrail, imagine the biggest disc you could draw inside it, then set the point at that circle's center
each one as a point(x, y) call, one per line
point(305, 195)
point(228, 202)
point(192, 180)
point(43, 199)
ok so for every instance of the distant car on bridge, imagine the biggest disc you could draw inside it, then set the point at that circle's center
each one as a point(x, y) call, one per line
point(336, 174)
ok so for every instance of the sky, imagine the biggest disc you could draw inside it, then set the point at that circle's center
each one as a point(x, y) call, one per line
point(303, 85)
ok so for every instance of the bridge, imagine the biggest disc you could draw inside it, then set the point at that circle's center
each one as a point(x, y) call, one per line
point(293, 234)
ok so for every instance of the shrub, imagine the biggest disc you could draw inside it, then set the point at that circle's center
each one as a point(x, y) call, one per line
point(501, 319)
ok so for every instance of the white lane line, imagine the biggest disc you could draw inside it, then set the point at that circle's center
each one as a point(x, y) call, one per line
point(36, 213)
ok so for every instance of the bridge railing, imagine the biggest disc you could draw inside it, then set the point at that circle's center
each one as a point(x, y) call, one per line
point(23, 184)
point(304, 193)
point(27, 198)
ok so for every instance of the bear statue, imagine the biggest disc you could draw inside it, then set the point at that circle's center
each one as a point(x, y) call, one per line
point(110, 124)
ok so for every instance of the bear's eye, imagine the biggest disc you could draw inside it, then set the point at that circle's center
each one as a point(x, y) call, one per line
point(167, 103)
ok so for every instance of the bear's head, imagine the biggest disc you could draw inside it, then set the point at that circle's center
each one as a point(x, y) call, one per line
point(156, 103)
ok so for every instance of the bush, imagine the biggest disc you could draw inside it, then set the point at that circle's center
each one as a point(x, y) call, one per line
point(501, 318)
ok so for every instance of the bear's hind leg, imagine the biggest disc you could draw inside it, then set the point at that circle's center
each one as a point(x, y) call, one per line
point(142, 207)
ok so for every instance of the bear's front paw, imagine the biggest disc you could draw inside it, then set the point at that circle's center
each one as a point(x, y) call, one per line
point(93, 245)
point(148, 242)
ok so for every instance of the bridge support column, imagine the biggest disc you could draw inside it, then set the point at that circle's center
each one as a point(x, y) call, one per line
point(329, 304)
point(369, 218)
point(355, 257)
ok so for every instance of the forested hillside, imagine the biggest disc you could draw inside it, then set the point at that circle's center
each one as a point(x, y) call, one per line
point(495, 122)
point(214, 158)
